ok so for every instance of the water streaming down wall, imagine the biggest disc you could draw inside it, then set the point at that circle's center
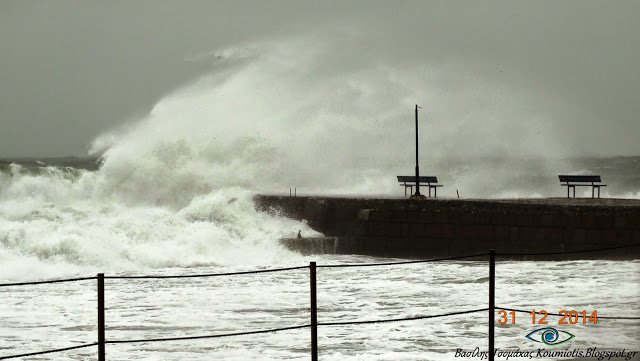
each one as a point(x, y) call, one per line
point(448, 228)
point(312, 245)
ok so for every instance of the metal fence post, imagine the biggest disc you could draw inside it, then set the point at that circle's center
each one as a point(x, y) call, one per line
point(492, 300)
point(101, 352)
point(314, 313)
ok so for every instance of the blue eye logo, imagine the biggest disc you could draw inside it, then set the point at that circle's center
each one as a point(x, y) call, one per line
point(549, 336)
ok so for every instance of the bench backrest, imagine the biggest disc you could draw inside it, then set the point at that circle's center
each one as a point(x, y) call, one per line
point(579, 178)
point(412, 178)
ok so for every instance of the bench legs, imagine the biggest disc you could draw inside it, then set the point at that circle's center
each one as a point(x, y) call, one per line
point(405, 188)
point(435, 190)
point(593, 191)
point(410, 190)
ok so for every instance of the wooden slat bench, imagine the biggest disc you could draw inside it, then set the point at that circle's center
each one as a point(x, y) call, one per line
point(409, 181)
point(571, 181)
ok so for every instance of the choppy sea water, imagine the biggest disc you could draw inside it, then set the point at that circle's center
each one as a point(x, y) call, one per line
point(41, 317)
point(60, 222)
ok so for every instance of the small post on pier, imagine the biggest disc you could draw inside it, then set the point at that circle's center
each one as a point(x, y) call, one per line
point(101, 338)
point(314, 313)
point(492, 300)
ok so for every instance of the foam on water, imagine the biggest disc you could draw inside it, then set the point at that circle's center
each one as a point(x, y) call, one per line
point(151, 308)
point(51, 225)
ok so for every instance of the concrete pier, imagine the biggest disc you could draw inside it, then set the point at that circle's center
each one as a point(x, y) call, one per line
point(453, 227)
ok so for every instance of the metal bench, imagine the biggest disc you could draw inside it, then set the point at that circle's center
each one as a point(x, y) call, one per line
point(409, 181)
point(571, 181)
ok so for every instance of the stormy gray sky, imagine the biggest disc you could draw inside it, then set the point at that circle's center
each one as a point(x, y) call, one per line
point(71, 70)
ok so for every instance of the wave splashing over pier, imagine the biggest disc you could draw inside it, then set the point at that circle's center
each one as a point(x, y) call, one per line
point(174, 187)
point(331, 117)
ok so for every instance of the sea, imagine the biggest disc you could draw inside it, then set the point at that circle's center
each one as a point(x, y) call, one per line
point(63, 218)
point(171, 193)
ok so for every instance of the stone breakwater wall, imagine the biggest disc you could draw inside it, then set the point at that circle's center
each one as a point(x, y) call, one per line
point(453, 227)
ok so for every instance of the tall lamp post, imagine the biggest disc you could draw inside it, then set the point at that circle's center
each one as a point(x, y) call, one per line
point(417, 195)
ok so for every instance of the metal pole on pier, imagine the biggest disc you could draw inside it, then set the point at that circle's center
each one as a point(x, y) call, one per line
point(417, 167)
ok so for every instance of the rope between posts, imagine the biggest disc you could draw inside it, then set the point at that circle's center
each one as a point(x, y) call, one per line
point(399, 263)
point(45, 282)
point(210, 336)
point(49, 351)
point(568, 252)
point(208, 274)
point(399, 319)
point(557, 314)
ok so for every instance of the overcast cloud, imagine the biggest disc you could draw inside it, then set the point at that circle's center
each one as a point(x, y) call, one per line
point(71, 70)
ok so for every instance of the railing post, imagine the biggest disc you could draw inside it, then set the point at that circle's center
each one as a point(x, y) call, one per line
point(314, 313)
point(101, 353)
point(492, 300)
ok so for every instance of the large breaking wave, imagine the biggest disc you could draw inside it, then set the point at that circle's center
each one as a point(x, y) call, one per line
point(175, 188)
